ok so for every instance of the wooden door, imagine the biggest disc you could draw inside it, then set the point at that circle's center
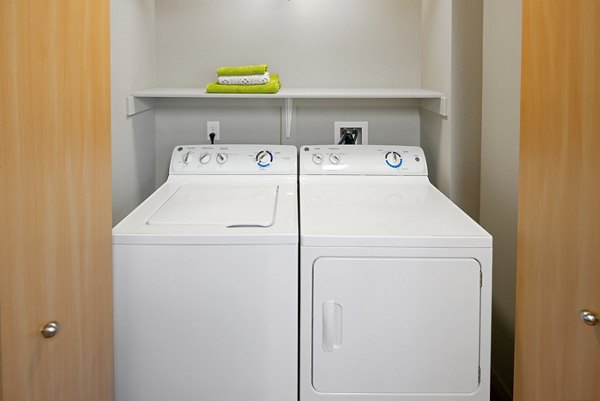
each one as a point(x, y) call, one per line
point(558, 255)
point(55, 203)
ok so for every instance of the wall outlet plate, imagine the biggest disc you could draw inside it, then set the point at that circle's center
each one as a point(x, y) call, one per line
point(362, 128)
point(212, 127)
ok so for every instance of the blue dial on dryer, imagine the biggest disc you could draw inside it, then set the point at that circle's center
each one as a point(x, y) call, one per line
point(393, 159)
point(264, 158)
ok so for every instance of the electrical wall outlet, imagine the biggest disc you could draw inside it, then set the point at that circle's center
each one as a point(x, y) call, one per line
point(355, 132)
point(212, 127)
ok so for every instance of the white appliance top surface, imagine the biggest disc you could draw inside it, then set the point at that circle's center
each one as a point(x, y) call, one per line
point(220, 194)
point(219, 204)
point(191, 209)
point(405, 211)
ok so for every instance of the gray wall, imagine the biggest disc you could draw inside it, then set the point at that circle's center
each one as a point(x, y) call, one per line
point(467, 43)
point(311, 43)
point(451, 49)
point(132, 68)
point(436, 74)
point(499, 172)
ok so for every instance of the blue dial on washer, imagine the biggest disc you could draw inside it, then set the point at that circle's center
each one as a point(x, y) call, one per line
point(264, 158)
point(393, 159)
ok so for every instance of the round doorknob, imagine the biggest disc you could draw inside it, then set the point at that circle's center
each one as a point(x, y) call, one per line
point(588, 317)
point(50, 329)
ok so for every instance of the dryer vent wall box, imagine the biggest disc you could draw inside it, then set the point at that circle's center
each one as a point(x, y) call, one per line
point(395, 299)
point(206, 280)
point(350, 133)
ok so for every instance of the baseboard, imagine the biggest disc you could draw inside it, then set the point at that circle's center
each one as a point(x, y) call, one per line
point(499, 389)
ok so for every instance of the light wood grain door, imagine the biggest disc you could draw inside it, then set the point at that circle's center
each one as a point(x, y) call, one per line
point(558, 256)
point(55, 203)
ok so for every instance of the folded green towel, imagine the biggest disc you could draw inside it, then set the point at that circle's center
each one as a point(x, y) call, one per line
point(244, 70)
point(272, 87)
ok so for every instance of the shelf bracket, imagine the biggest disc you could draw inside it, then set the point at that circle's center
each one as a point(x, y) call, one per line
point(437, 105)
point(135, 105)
point(288, 112)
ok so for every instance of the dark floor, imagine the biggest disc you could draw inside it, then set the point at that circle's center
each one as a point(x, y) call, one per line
point(497, 396)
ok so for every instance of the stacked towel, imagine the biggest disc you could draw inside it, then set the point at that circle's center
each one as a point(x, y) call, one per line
point(272, 86)
point(245, 79)
point(245, 70)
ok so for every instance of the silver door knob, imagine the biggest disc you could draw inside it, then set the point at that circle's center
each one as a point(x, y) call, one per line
point(50, 329)
point(588, 317)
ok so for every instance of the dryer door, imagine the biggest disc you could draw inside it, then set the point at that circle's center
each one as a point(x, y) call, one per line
point(396, 325)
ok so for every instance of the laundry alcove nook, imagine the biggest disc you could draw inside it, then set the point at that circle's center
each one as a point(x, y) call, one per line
point(401, 65)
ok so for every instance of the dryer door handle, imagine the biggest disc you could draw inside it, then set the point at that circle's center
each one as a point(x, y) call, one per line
point(332, 326)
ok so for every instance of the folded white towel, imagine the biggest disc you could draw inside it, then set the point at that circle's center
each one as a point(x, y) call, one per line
point(244, 79)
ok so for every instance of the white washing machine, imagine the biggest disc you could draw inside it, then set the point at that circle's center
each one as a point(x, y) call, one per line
point(395, 281)
point(206, 280)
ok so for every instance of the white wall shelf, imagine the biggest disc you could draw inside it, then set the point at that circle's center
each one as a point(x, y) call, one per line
point(140, 101)
point(436, 102)
point(297, 93)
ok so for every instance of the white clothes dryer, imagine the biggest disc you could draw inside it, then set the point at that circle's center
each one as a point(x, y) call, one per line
point(206, 280)
point(395, 281)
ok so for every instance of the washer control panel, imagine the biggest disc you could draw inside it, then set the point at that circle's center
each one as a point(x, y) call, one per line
point(362, 160)
point(234, 159)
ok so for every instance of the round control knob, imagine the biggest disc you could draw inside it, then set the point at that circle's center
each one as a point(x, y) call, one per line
point(393, 159)
point(205, 158)
point(334, 158)
point(264, 158)
point(187, 157)
point(317, 158)
point(221, 158)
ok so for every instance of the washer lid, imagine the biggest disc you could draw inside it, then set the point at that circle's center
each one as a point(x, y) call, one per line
point(227, 205)
point(215, 210)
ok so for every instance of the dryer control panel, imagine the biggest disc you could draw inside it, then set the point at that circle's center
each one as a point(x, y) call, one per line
point(363, 160)
point(234, 159)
